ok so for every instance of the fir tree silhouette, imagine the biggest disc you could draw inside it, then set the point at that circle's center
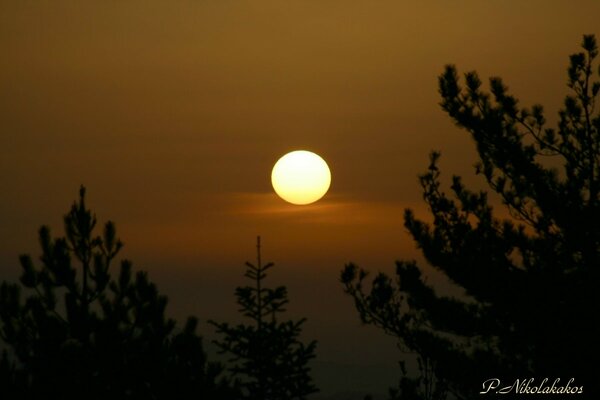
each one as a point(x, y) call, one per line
point(530, 280)
point(267, 357)
point(80, 333)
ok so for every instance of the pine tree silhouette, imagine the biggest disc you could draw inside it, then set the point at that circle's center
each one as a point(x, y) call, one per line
point(530, 280)
point(267, 357)
point(82, 334)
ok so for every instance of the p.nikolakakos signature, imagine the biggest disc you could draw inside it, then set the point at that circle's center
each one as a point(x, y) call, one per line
point(529, 386)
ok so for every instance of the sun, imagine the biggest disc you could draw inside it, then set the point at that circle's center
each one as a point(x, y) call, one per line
point(301, 177)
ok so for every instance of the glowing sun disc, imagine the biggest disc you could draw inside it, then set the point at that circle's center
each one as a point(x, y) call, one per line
point(301, 177)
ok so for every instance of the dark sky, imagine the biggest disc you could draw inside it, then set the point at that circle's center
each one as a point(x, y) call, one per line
point(173, 114)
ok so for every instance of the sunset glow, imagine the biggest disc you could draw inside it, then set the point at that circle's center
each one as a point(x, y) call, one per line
point(301, 177)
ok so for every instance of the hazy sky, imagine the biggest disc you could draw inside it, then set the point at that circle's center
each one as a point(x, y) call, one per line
point(172, 113)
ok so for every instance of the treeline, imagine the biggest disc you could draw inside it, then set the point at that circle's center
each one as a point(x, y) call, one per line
point(88, 328)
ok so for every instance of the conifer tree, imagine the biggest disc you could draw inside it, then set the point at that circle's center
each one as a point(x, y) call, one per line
point(531, 280)
point(267, 357)
point(80, 333)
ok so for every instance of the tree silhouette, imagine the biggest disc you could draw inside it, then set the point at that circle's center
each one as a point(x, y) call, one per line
point(530, 281)
point(82, 334)
point(267, 357)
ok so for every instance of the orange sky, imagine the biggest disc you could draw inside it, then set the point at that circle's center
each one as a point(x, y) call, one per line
point(173, 113)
